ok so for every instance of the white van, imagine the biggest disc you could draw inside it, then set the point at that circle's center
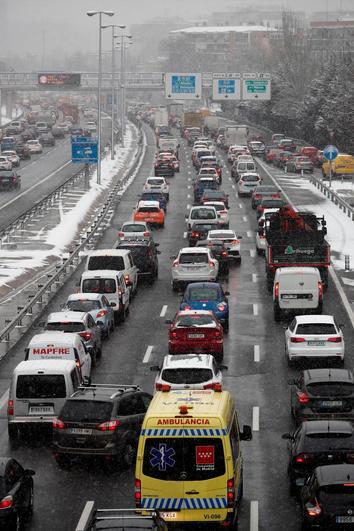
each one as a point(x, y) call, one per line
point(111, 284)
point(297, 290)
point(202, 214)
point(38, 391)
point(60, 345)
point(117, 260)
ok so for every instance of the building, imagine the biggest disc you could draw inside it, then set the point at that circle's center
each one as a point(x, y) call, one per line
point(331, 36)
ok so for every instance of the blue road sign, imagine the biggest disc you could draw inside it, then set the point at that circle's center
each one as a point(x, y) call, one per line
point(84, 150)
point(330, 152)
point(183, 84)
point(226, 86)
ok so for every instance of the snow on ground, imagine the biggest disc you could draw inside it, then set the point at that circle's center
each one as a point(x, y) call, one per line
point(13, 264)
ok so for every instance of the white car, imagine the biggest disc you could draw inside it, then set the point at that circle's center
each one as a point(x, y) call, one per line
point(157, 183)
point(91, 126)
point(206, 171)
point(314, 336)
point(222, 212)
point(244, 158)
point(35, 146)
point(188, 371)
point(247, 183)
point(5, 163)
point(12, 157)
point(134, 230)
point(231, 241)
point(201, 214)
point(193, 264)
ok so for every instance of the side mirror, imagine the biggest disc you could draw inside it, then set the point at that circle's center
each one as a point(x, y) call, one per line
point(226, 293)
point(30, 472)
point(155, 368)
point(223, 367)
point(341, 325)
point(168, 321)
point(246, 434)
point(173, 257)
point(157, 245)
point(287, 436)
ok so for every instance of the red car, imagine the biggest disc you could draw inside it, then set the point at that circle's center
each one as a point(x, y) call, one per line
point(195, 331)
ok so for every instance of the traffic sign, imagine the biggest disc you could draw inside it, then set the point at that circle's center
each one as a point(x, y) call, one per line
point(256, 86)
point(330, 152)
point(226, 86)
point(183, 86)
point(84, 149)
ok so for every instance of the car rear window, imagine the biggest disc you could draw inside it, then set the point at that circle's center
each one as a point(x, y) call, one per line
point(203, 294)
point(331, 388)
point(139, 253)
point(272, 203)
point(186, 321)
point(41, 386)
point(223, 236)
point(316, 329)
point(320, 442)
point(183, 458)
point(134, 227)
point(155, 182)
point(202, 213)
point(148, 209)
point(86, 411)
point(67, 326)
point(106, 262)
point(83, 306)
point(187, 376)
point(99, 285)
point(203, 227)
point(250, 178)
point(336, 497)
point(193, 258)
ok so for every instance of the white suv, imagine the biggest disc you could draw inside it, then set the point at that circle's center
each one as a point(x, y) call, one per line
point(193, 264)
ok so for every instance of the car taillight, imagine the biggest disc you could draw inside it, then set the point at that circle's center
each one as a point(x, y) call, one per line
point(85, 335)
point(175, 263)
point(221, 307)
point(137, 493)
point(297, 339)
point(102, 313)
point(146, 233)
point(195, 234)
point(217, 333)
point(110, 425)
point(313, 509)
point(257, 196)
point(337, 339)
point(211, 263)
point(303, 398)
point(222, 212)
point(6, 503)
point(224, 254)
point(58, 424)
point(235, 242)
point(276, 290)
point(174, 334)
point(320, 290)
point(10, 407)
point(230, 492)
point(78, 364)
point(216, 386)
point(304, 458)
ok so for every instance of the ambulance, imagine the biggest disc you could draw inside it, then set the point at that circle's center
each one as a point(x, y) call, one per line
point(189, 461)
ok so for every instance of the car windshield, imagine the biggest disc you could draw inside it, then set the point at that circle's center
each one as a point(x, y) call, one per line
point(83, 306)
point(331, 388)
point(99, 285)
point(186, 321)
point(186, 376)
point(183, 458)
point(66, 326)
point(134, 227)
point(193, 258)
point(316, 329)
point(86, 411)
point(203, 213)
point(203, 294)
point(41, 386)
point(106, 262)
point(245, 166)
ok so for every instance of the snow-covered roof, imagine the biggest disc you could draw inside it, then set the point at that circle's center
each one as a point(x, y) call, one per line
point(224, 29)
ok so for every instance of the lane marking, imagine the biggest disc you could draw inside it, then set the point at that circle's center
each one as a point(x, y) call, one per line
point(188, 207)
point(189, 187)
point(252, 253)
point(254, 277)
point(189, 196)
point(256, 353)
point(163, 311)
point(255, 308)
point(185, 235)
point(233, 187)
point(255, 418)
point(240, 205)
point(147, 354)
point(254, 515)
point(249, 234)
point(245, 218)
point(4, 398)
point(230, 179)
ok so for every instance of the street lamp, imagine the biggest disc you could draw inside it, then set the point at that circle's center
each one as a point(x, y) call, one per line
point(113, 26)
point(122, 67)
point(91, 14)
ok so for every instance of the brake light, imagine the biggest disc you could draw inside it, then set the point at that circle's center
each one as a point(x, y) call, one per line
point(110, 425)
point(320, 290)
point(85, 335)
point(222, 212)
point(224, 254)
point(187, 308)
point(217, 333)
point(102, 313)
point(313, 510)
point(120, 234)
point(257, 196)
point(297, 339)
point(195, 234)
point(58, 424)
point(165, 388)
point(216, 386)
point(230, 492)
point(302, 397)
point(10, 407)
point(146, 233)
point(137, 493)
point(6, 503)
point(304, 458)
point(174, 334)
point(276, 290)
point(337, 339)
point(78, 364)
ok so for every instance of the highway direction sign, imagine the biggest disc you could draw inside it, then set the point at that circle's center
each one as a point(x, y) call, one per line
point(226, 86)
point(256, 86)
point(330, 152)
point(84, 149)
point(185, 86)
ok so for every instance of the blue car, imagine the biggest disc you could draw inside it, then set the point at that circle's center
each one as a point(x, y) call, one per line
point(207, 296)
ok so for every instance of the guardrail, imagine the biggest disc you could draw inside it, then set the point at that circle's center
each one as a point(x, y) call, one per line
point(28, 313)
point(333, 196)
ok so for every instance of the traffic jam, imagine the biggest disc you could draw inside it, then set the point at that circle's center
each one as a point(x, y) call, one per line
point(181, 439)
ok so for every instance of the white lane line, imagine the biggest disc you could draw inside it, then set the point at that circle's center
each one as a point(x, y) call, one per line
point(188, 207)
point(245, 218)
point(35, 185)
point(4, 398)
point(164, 310)
point(254, 515)
point(189, 187)
point(252, 253)
point(240, 205)
point(185, 235)
point(249, 234)
point(255, 418)
point(256, 353)
point(189, 196)
point(147, 354)
point(254, 277)
point(233, 187)
point(255, 308)
point(230, 179)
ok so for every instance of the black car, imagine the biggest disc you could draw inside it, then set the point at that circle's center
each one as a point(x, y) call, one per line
point(219, 252)
point(30, 133)
point(144, 252)
point(323, 394)
point(9, 179)
point(102, 420)
point(327, 498)
point(199, 232)
point(316, 443)
point(16, 494)
point(47, 139)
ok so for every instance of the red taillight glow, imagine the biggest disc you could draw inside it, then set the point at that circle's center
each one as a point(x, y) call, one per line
point(230, 492)
point(137, 492)
point(195, 234)
point(58, 424)
point(216, 386)
point(174, 334)
point(110, 425)
point(146, 233)
point(6, 503)
point(320, 290)
point(10, 407)
point(120, 234)
point(211, 263)
point(337, 339)
point(165, 388)
point(313, 510)
point(217, 333)
point(85, 335)
point(102, 313)
point(303, 398)
point(304, 458)
point(276, 290)
point(297, 340)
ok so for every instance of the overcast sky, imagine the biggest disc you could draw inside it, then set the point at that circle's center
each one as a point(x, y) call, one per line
point(31, 26)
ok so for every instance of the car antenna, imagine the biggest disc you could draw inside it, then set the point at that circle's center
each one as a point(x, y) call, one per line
point(348, 477)
point(328, 430)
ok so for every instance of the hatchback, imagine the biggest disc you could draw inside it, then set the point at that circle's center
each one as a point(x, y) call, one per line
point(231, 241)
point(207, 296)
point(247, 183)
point(16, 498)
point(96, 305)
point(131, 230)
point(193, 264)
point(262, 191)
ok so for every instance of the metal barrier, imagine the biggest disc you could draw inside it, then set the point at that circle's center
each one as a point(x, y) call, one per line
point(333, 196)
point(28, 313)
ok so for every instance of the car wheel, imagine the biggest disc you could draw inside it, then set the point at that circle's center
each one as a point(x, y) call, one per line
point(99, 352)
point(15, 524)
point(93, 354)
point(116, 318)
point(13, 433)
point(259, 251)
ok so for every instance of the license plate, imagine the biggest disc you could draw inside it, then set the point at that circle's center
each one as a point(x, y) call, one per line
point(80, 431)
point(196, 336)
point(331, 403)
point(5, 180)
point(41, 410)
point(168, 516)
point(289, 296)
point(344, 519)
point(316, 343)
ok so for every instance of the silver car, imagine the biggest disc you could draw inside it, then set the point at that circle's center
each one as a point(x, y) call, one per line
point(134, 230)
point(96, 305)
point(193, 264)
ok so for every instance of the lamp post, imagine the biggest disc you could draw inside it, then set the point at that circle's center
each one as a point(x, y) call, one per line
point(99, 82)
point(122, 74)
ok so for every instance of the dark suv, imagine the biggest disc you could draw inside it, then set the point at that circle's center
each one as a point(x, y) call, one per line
point(144, 254)
point(100, 420)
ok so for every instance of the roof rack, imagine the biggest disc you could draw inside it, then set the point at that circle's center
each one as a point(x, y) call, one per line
point(122, 387)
